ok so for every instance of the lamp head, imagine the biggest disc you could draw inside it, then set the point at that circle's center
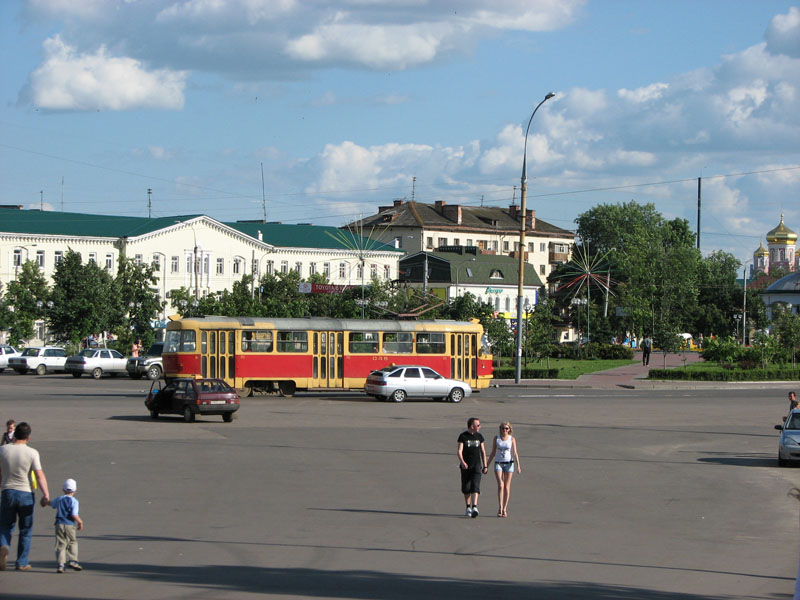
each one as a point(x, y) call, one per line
point(550, 95)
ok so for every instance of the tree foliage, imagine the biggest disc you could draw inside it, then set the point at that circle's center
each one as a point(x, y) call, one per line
point(26, 299)
point(136, 303)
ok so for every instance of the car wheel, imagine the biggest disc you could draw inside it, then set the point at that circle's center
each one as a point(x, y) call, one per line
point(188, 414)
point(456, 395)
point(398, 396)
point(153, 372)
point(153, 414)
point(227, 417)
point(41, 370)
point(76, 374)
point(97, 372)
point(135, 375)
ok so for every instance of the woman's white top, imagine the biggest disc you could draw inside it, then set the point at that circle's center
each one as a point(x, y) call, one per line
point(504, 449)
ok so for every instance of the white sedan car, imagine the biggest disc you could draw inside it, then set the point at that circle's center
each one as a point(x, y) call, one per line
point(399, 382)
point(49, 359)
point(6, 352)
point(96, 361)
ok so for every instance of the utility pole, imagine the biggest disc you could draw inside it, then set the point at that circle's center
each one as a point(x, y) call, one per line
point(263, 196)
point(41, 199)
point(149, 204)
point(699, 180)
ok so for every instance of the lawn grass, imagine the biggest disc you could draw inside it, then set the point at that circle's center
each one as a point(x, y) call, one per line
point(572, 369)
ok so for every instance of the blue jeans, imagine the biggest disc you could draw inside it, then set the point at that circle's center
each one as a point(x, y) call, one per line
point(16, 505)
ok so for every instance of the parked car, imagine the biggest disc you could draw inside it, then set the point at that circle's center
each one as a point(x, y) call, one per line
point(150, 364)
point(47, 359)
point(399, 382)
point(191, 397)
point(96, 361)
point(6, 352)
point(789, 443)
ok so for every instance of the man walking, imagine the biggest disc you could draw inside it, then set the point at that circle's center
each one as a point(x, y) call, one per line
point(472, 460)
point(17, 499)
point(647, 346)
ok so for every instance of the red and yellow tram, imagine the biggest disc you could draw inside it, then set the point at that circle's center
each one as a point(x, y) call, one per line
point(286, 355)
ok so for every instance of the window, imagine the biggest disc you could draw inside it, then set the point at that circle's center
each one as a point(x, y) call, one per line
point(284, 266)
point(387, 272)
point(360, 271)
point(312, 268)
point(257, 341)
point(93, 257)
point(442, 242)
point(292, 341)
point(342, 270)
point(429, 242)
point(206, 264)
point(398, 343)
point(138, 260)
point(363, 342)
point(469, 272)
point(496, 274)
point(270, 267)
point(412, 373)
point(469, 242)
point(298, 267)
point(237, 266)
point(110, 262)
point(542, 247)
point(530, 247)
point(220, 266)
point(494, 245)
point(430, 343)
point(59, 256)
point(542, 269)
point(373, 272)
point(505, 245)
point(326, 270)
point(175, 264)
point(456, 241)
point(189, 268)
point(156, 262)
point(40, 258)
point(508, 304)
point(188, 341)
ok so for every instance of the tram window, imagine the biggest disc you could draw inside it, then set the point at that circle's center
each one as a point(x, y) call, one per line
point(172, 341)
point(323, 337)
point(188, 341)
point(212, 342)
point(203, 342)
point(398, 343)
point(231, 342)
point(430, 343)
point(222, 343)
point(363, 342)
point(292, 341)
point(257, 341)
point(316, 347)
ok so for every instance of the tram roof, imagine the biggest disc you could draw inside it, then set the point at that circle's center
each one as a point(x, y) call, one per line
point(327, 324)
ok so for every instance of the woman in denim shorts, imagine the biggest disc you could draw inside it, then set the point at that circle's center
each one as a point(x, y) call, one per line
point(507, 463)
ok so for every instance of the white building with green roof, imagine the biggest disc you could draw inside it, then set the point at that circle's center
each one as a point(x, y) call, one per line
point(196, 252)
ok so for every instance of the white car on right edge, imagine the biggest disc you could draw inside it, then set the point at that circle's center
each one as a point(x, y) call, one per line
point(6, 352)
point(398, 382)
point(789, 443)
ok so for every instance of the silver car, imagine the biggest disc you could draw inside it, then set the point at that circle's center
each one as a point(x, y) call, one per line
point(789, 444)
point(399, 382)
point(96, 361)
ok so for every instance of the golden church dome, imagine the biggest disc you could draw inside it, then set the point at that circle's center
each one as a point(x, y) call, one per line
point(761, 251)
point(782, 235)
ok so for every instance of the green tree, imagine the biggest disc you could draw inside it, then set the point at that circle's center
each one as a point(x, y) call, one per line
point(136, 301)
point(84, 299)
point(719, 295)
point(27, 300)
point(539, 331)
point(786, 326)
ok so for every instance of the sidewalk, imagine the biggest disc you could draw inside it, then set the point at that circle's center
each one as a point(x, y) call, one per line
point(634, 377)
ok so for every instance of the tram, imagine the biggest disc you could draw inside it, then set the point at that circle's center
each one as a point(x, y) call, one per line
point(261, 355)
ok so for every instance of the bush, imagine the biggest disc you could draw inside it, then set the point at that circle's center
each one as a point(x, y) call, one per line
point(511, 372)
point(775, 374)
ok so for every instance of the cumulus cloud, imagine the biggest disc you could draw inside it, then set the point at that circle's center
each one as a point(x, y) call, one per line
point(159, 153)
point(68, 80)
point(783, 34)
point(654, 91)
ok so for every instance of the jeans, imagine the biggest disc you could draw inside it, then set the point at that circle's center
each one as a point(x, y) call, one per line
point(16, 505)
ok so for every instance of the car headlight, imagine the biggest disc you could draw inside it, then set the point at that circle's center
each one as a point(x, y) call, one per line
point(789, 442)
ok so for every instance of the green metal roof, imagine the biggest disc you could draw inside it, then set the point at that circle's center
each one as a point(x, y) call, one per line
point(86, 225)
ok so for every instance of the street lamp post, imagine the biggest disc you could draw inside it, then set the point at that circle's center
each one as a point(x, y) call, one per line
point(522, 223)
point(744, 302)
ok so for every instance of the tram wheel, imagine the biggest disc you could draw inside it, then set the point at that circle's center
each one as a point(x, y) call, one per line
point(287, 388)
point(245, 391)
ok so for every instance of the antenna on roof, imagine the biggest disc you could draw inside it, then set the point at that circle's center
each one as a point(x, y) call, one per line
point(514, 197)
point(481, 200)
point(413, 187)
point(149, 204)
point(41, 199)
point(263, 197)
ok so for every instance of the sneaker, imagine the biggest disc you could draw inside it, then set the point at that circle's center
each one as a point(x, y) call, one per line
point(24, 568)
point(474, 512)
point(3, 557)
point(468, 512)
point(60, 569)
point(74, 565)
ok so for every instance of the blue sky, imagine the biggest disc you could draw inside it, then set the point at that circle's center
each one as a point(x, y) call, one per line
point(344, 103)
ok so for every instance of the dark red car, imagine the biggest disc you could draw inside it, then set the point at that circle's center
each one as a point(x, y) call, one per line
point(191, 397)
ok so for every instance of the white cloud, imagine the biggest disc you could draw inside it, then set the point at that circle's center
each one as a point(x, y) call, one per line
point(159, 153)
point(253, 11)
point(783, 34)
point(654, 91)
point(67, 80)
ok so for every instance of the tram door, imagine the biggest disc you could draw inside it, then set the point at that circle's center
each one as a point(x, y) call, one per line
point(217, 355)
point(462, 359)
point(328, 359)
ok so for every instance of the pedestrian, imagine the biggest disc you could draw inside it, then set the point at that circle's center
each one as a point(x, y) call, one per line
point(8, 434)
point(792, 401)
point(472, 462)
point(17, 462)
point(68, 523)
point(136, 347)
point(647, 346)
point(506, 463)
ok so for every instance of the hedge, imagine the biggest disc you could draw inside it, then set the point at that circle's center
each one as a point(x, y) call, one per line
point(784, 374)
point(511, 373)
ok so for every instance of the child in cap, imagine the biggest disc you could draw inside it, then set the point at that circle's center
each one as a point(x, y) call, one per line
point(68, 523)
point(8, 434)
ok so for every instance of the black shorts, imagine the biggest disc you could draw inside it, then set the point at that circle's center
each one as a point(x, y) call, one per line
point(470, 481)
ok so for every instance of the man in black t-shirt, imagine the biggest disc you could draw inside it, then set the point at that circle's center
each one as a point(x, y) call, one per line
point(472, 460)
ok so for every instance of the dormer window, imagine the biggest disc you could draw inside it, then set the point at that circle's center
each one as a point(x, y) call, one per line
point(496, 274)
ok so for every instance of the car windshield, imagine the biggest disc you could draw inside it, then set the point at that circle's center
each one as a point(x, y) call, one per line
point(793, 422)
point(31, 352)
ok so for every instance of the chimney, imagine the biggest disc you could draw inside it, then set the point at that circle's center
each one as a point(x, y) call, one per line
point(452, 212)
point(530, 220)
point(260, 236)
point(513, 210)
point(439, 206)
point(398, 202)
